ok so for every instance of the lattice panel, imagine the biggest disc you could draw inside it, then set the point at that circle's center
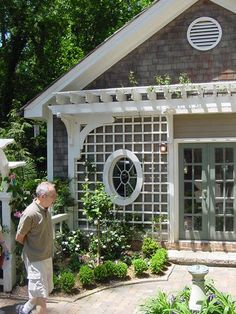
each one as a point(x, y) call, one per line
point(142, 136)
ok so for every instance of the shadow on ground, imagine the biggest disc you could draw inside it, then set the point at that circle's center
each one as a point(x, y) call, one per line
point(9, 309)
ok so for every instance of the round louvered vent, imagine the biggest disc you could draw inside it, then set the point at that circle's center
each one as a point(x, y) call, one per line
point(204, 33)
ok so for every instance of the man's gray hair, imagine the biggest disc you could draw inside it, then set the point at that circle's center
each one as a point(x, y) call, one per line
point(44, 188)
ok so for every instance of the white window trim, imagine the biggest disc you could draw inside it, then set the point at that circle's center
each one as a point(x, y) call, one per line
point(108, 181)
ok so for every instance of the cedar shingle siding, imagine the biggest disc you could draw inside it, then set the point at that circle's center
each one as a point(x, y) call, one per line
point(169, 52)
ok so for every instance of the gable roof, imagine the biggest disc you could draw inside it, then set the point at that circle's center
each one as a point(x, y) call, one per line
point(117, 46)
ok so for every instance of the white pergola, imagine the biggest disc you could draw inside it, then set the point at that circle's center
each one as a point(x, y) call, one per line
point(178, 99)
point(83, 110)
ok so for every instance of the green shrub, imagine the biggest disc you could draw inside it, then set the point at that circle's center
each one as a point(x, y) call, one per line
point(110, 267)
point(113, 243)
point(74, 263)
point(66, 281)
point(127, 259)
point(158, 261)
point(120, 270)
point(56, 282)
point(86, 276)
point(100, 273)
point(69, 243)
point(140, 266)
point(149, 247)
point(64, 197)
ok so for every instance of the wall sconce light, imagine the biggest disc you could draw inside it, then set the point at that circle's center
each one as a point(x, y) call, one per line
point(163, 148)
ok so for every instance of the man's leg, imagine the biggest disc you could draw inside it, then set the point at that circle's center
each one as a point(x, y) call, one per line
point(29, 305)
point(42, 305)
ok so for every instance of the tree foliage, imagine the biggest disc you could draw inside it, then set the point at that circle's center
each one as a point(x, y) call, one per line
point(95, 21)
point(40, 40)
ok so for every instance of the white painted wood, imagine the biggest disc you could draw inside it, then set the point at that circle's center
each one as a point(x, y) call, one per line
point(201, 105)
point(171, 178)
point(9, 266)
point(50, 146)
point(5, 141)
point(105, 97)
point(174, 215)
point(205, 140)
point(58, 220)
point(16, 164)
point(227, 4)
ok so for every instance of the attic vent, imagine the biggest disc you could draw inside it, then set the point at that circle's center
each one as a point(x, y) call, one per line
point(204, 33)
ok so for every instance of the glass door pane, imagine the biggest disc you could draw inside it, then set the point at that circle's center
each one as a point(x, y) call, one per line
point(222, 212)
point(207, 191)
point(192, 191)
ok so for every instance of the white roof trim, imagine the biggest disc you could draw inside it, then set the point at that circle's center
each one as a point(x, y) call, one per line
point(115, 48)
point(227, 4)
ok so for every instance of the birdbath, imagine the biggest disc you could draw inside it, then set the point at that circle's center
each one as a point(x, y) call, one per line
point(198, 293)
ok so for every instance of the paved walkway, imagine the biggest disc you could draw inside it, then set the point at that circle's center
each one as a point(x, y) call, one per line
point(127, 298)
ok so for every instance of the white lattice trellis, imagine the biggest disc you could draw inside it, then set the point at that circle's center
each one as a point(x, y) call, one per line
point(142, 136)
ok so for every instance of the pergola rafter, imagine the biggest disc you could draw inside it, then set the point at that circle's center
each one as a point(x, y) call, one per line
point(178, 99)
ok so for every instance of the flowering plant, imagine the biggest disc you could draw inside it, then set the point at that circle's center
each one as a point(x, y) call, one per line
point(20, 197)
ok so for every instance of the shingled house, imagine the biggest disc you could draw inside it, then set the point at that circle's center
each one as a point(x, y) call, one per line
point(167, 150)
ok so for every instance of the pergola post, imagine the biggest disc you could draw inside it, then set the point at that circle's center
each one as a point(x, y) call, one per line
point(9, 266)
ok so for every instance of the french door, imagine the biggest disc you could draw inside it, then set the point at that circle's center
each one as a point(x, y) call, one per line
point(207, 186)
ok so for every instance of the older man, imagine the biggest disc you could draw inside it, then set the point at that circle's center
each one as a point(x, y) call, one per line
point(36, 235)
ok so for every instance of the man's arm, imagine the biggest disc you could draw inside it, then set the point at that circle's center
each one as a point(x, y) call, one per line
point(20, 238)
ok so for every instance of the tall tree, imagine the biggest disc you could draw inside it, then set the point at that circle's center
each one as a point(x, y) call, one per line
point(35, 47)
point(95, 20)
point(40, 40)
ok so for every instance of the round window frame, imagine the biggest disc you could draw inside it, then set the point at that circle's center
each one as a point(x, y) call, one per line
point(196, 21)
point(108, 176)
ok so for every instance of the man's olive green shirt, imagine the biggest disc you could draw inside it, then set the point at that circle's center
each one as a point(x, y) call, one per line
point(36, 225)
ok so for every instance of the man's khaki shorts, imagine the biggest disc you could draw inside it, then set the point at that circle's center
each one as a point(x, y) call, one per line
point(40, 278)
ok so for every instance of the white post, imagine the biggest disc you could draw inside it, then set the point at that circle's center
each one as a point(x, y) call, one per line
point(9, 266)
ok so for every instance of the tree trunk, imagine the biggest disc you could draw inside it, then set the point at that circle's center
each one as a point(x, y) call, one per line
point(12, 58)
point(99, 243)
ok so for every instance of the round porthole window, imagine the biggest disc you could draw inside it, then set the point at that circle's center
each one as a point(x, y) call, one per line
point(123, 176)
point(204, 33)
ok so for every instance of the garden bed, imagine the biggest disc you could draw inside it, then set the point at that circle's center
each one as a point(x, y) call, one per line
point(79, 290)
